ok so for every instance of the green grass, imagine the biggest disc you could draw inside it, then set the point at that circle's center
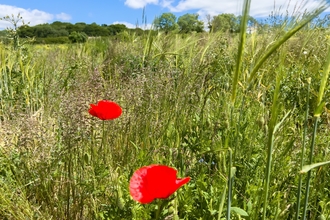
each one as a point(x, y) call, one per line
point(192, 102)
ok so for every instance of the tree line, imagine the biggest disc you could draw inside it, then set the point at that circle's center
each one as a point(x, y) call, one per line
point(64, 32)
point(166, 22)
point(190, 23)
point(60, 29)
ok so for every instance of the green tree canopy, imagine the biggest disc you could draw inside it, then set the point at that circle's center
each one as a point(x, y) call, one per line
point(95, 30)
point(166, 22)
point(26, 31)
point(252, 23)
point(45, 30)
point(189, 22)
point(224, 23)
point(77, 27)
point(78, 37)
point(114, 29)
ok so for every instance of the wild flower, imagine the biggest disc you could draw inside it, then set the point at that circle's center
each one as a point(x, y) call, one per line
point(105, 110)
point(155, 182)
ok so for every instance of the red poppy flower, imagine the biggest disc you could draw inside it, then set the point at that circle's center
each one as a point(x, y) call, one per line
point(105, 110)
point(154, 182)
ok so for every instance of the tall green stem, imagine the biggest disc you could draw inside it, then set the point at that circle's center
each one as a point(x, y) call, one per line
point(69, 182)
point(310, 172)
point(230, 181)
point(103, 143)
point(317, 113)
point(302, 152)
point(242, 37)
point(273, 47)
point(270, 144)
point(160, 206)
point(271, 134)
point(239, 62)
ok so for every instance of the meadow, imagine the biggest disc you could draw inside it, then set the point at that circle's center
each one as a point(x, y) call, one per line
point(241, 114)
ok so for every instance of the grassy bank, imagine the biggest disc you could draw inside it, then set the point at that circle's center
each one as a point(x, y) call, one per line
point(179, 109)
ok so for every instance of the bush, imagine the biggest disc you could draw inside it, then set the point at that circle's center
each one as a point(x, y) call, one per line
point(78, 37)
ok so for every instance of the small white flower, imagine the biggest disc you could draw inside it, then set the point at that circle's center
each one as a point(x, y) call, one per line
point(305, 52)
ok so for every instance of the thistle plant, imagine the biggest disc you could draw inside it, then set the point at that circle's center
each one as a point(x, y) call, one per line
point(15, 22)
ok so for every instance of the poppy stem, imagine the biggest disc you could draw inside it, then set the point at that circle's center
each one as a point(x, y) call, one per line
point(103, 141)
point(160, 207)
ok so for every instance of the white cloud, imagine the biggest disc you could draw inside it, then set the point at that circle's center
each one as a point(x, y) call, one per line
point(140, 3)
point(132, 26)
point(129, 25)
point(63, 16)
point(166, 3)
point(258, 8)
point(34, 16)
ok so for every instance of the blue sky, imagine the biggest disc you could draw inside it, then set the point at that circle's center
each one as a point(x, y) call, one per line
point(129, 12)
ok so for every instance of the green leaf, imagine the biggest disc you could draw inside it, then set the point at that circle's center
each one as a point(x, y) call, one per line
point(278, 125)
point(239, 211)
point(233, 172)
point(307, 168)
point(319, 109)
point(222, 202)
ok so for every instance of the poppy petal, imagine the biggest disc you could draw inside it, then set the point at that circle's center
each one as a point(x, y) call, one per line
point(155, 182)
point(138, 186)
point(92, 110)
point(105, 110)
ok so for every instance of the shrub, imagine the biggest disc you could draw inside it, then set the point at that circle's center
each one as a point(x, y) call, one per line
point(78, 37)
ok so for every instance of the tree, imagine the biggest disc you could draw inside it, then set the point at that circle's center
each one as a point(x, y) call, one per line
point(78, 37)
point(25, 31)
point(77, 27)
point(209, 22)
point(252, 23)
point(224, 23)
point(189, 22)
point(44, 30)
point(114, 29)
point(60, 28)
point(71, 28)
point(166, 22)
point(95, 30)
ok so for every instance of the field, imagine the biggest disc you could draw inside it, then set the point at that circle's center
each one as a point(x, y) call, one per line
point(241, 114)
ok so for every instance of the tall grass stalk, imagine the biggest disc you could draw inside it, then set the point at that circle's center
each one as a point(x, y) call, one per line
point(309, 174)
point(317, 113)
point(241, 46)
point(300, 24)
point(230, 183)
point(69, 181)
point(303, 149)
point(178, 111)
point(222, 202)
point(271, 134)
point(147, 47)
point(238, 70)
